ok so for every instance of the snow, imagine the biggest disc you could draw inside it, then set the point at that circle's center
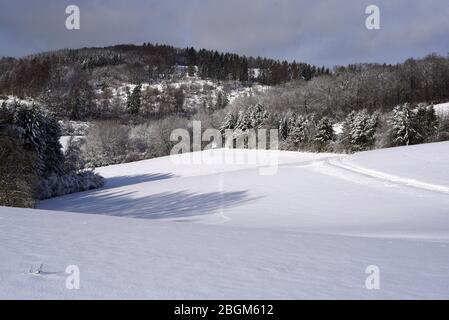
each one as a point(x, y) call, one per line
point(194, 89)
point(442, 109)
point(160, 229)
point(338, 128)
point(64, 141)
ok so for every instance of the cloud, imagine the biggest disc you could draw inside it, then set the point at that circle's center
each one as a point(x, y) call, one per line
point(323, 31)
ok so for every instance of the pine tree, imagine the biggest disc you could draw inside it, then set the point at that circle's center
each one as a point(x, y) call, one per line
point(298, 130)
point(244, 122)
point(426, 123)
point(222, 100)
point(403, 125)
point(359, 129)
point(257, 116)
point(135, 100)
point(229, 122)
point(324, 133)
point(284, 128)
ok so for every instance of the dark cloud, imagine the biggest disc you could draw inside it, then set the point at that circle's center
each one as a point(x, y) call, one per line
point(322, 31)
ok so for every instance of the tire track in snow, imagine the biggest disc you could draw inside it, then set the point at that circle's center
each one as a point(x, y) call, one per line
point(339, 162)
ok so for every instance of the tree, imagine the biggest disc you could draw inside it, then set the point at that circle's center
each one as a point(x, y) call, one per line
point(426, 123)
point(244, 122)
point(179, 97)
point(298, 130)
point(324, 133)
point(45, 172)
point(359, 129)
point(135, 100)
point(17, 171)
point(222, 100)
point(257, 115)
point(284, 128)
point(403, 125)
point(81, 101)
point(229, 122)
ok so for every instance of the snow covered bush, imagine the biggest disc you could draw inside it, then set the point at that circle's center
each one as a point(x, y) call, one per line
point(69, 183)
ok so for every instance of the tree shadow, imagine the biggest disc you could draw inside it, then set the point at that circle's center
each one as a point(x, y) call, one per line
point(130, 180)
point(164, 205)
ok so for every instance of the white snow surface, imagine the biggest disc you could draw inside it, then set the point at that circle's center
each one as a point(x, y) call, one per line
point(442, 109)
point(159, 229)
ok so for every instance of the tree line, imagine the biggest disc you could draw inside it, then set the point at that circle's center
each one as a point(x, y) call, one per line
point(32, 75)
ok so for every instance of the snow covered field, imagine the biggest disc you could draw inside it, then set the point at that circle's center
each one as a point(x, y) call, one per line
point(163, 230)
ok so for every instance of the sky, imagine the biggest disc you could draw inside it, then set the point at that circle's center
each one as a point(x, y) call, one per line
point(322, 32)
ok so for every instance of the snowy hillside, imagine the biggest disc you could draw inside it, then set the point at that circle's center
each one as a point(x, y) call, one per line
point(308, 230)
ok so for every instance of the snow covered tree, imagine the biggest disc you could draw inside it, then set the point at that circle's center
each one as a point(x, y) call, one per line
point(135, 100)
point(244, 122)
point(251, 118)
point(359, 129)
point(257, 115)
point(37, 133)
point(40, 133)
point(81, 101)
point(324, 133)
point(426, 123)
point(222, 100)
point(17, 170)
point(403, 125)
point(229, 122)
point(298, 132)
point(284, 128)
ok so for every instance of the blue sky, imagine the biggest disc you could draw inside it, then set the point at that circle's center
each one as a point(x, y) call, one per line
point(324, 32)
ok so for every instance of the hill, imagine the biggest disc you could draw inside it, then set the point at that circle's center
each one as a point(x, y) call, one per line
point(310, 229)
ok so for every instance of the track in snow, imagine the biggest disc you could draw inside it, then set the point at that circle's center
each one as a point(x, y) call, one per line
point(341, 163)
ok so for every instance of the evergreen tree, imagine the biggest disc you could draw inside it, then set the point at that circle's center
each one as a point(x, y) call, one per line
point(284, 128)
point(403, 125)
point(298, 130)
point(257, 116)
point(244, 122)
point(229, 122)
point(222, 100)
point(135, 100)
point(324, 133)
point(426, 123)
point(358, 130)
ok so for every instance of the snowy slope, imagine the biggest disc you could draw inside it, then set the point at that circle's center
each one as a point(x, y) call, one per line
point(226, 231)
point(133, 258)
point(308, 192)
